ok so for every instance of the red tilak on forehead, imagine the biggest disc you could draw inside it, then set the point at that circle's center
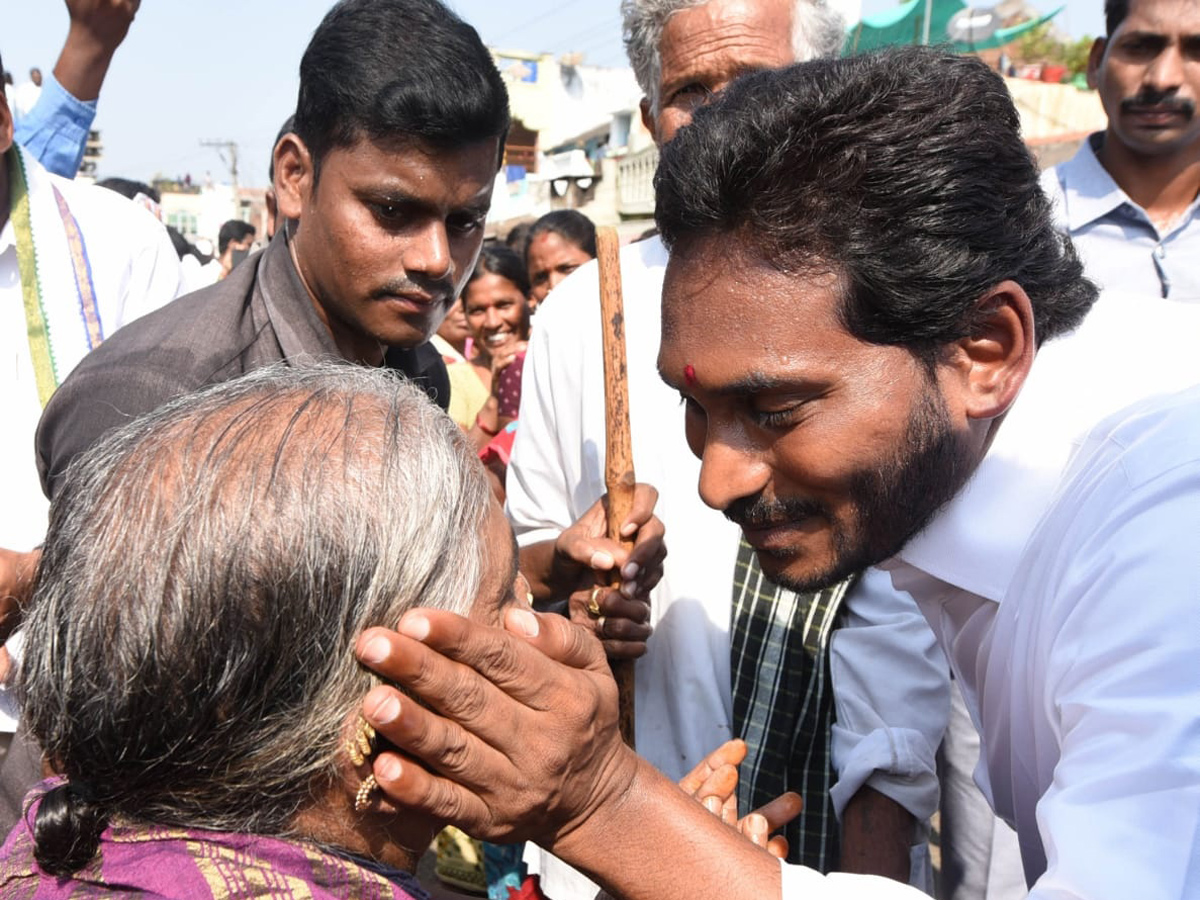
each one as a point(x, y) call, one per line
point(689, 374)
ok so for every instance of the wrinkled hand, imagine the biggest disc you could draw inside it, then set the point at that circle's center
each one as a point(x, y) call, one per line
point(714, 783)
point(105, 21)
point(16, 588)
point(519, 737)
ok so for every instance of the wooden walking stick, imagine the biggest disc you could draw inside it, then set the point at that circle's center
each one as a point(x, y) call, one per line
point(618, 464)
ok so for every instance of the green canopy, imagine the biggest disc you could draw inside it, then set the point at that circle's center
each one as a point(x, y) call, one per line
point(1004, 36)
point(905, 25)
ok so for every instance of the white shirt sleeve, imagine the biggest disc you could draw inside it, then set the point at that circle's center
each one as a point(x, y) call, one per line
point(802, 883)
point(1118, 638)
point(891, 685)
point(155, 275)
point(550, 483)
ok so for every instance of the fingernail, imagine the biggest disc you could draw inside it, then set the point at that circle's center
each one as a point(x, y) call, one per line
point(522, 622)
point(756, 824)
point(415, 626)
point(602, 561)
point(629, 571)
point(628, 529)
point(376, 650)
point(385, 711)
point(388, 768)
point(713, 805)
point(629, 589)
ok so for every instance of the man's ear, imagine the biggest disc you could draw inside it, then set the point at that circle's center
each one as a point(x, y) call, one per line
point(988, 367)
point(293, 176)
point(648, 118)
point(1095, 58)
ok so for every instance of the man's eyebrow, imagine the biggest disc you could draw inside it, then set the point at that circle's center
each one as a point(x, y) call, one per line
point(755, 382)
point(1144, 35)
point(397, 196)
point(389, 193)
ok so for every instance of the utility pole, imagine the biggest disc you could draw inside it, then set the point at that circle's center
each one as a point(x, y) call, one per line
point(231, 148)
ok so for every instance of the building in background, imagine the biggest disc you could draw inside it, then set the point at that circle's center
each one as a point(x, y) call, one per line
point(199, 210)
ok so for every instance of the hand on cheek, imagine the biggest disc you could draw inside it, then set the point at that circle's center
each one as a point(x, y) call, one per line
point(517, 738)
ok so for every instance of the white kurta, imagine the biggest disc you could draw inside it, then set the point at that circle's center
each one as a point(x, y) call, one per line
point(134, 270)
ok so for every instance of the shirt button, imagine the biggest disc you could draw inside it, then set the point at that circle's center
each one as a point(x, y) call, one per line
point(1160, 252)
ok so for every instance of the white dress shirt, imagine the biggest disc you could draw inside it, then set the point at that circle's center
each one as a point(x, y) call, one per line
point(1063, 583)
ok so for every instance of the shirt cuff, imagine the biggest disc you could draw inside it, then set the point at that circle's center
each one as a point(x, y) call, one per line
point(55, 131)
point(897, 762)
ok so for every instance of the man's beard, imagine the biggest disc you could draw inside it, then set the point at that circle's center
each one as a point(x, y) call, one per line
point(890, 503)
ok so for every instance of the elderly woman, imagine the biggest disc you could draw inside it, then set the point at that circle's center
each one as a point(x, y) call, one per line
point(190, 671)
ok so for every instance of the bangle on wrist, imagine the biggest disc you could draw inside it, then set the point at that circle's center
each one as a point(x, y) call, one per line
point(490, 432)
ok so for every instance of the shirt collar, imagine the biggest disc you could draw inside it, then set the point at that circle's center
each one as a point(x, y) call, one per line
point(1090, 192)
point(976, 542)
point(287, 303)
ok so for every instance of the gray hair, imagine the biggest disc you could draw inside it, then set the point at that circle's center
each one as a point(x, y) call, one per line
point(207, 571)
point(818, 31)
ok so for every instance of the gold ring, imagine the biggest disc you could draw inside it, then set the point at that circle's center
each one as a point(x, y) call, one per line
point(600, 625)
point(593, 606)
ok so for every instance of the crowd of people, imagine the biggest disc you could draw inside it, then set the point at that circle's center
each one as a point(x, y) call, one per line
point(305, 548)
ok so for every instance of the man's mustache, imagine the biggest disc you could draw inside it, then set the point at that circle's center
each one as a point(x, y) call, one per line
point(438, 289)
point(1158, 101)
point(758, 512)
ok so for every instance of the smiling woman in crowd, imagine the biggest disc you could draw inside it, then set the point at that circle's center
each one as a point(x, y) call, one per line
point(495, 302)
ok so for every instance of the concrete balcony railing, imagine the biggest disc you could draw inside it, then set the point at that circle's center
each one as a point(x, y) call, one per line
point(635, 183)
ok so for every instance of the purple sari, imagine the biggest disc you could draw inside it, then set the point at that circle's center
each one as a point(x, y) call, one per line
point(175, 864)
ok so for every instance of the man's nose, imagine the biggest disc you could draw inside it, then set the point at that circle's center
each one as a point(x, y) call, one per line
point(428, 252)
point(1166, 72)
point(729, 472)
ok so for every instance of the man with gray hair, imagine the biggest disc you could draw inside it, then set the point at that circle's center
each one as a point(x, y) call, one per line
point(732, 654)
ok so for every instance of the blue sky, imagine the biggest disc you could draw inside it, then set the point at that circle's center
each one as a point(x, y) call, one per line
point(226, 69)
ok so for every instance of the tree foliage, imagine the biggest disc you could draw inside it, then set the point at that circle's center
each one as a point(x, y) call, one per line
point(1042, 45)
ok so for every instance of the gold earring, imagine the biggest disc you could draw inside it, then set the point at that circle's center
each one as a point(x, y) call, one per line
point(362, 743)
point(363, 798)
